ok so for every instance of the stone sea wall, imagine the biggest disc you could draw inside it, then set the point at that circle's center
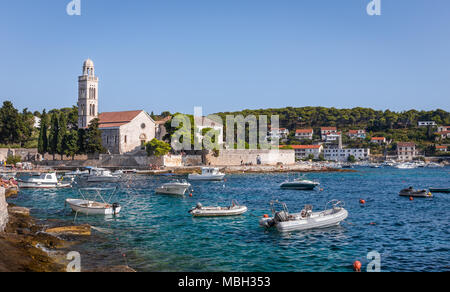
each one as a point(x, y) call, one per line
point(266, 157)
point(3, 210)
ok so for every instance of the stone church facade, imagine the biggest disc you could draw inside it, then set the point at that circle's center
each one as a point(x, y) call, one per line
point(122, 132)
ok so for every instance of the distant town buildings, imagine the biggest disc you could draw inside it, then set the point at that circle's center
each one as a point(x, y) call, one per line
point(406, 151)
point(443, 128)
point(327, 131)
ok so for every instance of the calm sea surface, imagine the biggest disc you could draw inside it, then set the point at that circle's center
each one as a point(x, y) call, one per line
point(156, 233)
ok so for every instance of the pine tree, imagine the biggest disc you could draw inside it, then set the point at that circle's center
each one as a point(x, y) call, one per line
point(54, 134)
point(62, 130)
point(94, 139)
point(43, 138)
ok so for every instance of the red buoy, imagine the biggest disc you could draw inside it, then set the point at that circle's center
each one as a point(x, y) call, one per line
point(411, 198)
point(266, 216)
point(362, 202)
point(357, 266)
point(190, 195)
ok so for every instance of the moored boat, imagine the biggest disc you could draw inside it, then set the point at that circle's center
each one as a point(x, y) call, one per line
point(233, 210)
point(102, 175)
point(440, 190)
point(208, 174)
point(43, 181)
point(299, 184)
point(284, 221)
point(410, 192)
point(93, 208)
point(174, 188)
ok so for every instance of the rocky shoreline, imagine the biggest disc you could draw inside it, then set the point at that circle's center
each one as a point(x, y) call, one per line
point(31, 245)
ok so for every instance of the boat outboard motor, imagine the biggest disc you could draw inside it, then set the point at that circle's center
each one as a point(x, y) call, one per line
point(115, 206)
point(281, 216)
point(199, 206)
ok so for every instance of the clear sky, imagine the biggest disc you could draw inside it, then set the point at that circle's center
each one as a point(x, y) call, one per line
point(227, 55)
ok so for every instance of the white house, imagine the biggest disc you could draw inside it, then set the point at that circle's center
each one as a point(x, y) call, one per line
point(354, 134)
point(278, 133)
point(341, 154)
point(378, 140)
point(443, 128)
point(406, 151)
point(303, 151)
point(304, 134)
point(442, 148)
point(427, 123)
point(443, 135)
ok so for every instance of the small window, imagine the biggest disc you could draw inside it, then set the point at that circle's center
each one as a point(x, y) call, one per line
point(143, 126)
point(125, 139)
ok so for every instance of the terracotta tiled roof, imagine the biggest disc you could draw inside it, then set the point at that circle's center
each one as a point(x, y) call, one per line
point(304, 131)
point(441, 147)
point(356, 131)
point(116, 119)
point(443, 132)
point(328, 129)
point(378, 138)
point(406, 144)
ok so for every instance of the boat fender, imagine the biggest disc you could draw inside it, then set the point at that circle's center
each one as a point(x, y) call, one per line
point(357, 266)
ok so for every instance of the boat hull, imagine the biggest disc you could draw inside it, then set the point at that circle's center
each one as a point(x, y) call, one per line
point(102, 209)
point(314, 222)
point(31, 185)
point(172, 190)
point(298, 186)
point(416, 194)
point(435, 190)
point(216, 212)
point(103, 179)
point(199, 177)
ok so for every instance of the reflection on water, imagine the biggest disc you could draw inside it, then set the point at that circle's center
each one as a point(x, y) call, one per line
point(156, 233)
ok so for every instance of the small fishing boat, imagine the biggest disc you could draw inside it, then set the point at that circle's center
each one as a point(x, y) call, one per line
point(410, 192)
point(93, 207)
point(43, 181)
point(174, 188)
point(440, 190)
point(76, 173)
point(299, 184)
point(306, 219)
point(208, 174)
point(233, 210)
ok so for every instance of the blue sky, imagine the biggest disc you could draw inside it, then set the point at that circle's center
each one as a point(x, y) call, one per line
point(228, 55)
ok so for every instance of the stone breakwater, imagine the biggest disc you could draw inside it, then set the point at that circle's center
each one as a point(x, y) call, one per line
point(3, 210)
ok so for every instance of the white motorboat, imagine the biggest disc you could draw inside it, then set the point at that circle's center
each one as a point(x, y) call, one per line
point(93, 207)
point(174, 188)
point(233, 210)
point(43, 181)
point(299, 184)
point(406, 165)
point(306, 219)
point(102, 175)
point(76, 173)
point(208, 174)
point(434, 165)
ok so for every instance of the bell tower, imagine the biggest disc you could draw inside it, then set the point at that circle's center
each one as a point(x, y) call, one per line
point(87, 95)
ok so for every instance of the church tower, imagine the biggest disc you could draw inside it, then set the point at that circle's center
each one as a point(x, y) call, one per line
point(87, 95)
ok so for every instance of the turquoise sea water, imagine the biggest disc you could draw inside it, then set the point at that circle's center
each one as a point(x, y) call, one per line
point(156, 233)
